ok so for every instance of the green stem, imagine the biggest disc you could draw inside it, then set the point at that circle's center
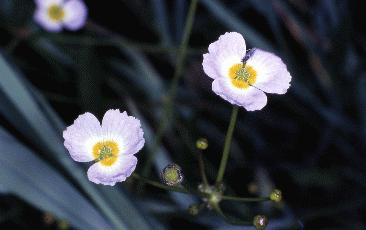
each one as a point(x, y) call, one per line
point(203, 195)
point(227, 144)
point(173, 87)
point(159, 185)
point(227, 219)
point(241, 199)
point(202, 168)
point(163, 186)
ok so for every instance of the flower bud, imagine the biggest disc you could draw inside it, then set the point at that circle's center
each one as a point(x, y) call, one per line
point(193, 209)
point(202, 143)
point(260, 222)
point(276, 195)
point(172, 175)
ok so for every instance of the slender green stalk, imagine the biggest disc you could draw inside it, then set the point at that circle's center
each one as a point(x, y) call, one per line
point(227, 144)
point(243, 199)
point(203, 195)
point(159, 185)
point(163, 186)
point(202, 168)
point(173, 87)
point(227, 219)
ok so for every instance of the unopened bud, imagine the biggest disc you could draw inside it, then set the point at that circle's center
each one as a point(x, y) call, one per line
point(260, 222)
point(202, 143)
point(193, 209)
point(172, 175)
point(276, 195)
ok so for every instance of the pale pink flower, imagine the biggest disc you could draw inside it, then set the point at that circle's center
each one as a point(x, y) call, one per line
point(242, 78)
point(54, 15)
point(111, 145)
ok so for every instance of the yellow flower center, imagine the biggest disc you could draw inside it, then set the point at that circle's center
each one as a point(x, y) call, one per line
point(56, 12)
point(106, 152)
point(242, 77)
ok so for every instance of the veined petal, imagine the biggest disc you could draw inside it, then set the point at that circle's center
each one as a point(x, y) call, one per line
point(124, 130)
point(118, 172)
point(230, 48)
point(250, 98)
point(82, 136)
point(75, 14)
point(272, 74)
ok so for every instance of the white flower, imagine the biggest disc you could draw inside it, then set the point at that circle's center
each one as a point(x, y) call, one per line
point(111, 145)
point(242, 78)
point(53, 15)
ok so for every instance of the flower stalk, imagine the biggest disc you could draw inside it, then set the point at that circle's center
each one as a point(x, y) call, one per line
point(229, 220)
point(173, 87)
point(227, 144)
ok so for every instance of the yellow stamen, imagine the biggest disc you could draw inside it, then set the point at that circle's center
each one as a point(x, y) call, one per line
point(56, 12)
point(241, 77)
point(106, 152)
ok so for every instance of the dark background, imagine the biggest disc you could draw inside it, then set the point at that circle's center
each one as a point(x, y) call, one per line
point(309, 142)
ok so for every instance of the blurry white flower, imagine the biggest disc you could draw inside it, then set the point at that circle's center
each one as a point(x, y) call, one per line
point(54, 15)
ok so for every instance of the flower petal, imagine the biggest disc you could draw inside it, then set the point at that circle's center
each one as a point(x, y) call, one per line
point(250, 98)
point(229, 49)
point(47, 3)
point(75, 14)
point(272, 74)
point(82, 136)
point(118, 172)
point(41, 16)
point(123, 129)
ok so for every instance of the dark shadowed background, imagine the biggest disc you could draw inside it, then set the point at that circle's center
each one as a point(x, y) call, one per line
point(309, 142)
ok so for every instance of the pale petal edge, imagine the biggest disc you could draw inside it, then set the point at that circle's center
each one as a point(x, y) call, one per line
point(273, 76)
point(81, 136)
point(110, 175)
point(251, 98)
point(229, 49)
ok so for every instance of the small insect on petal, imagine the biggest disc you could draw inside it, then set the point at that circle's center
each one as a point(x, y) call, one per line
point(243, 78)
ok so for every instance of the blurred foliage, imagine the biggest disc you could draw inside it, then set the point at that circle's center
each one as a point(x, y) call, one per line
point(309, 143)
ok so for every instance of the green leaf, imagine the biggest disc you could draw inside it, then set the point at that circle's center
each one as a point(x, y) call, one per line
point(23, 106)
point(34, 180)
